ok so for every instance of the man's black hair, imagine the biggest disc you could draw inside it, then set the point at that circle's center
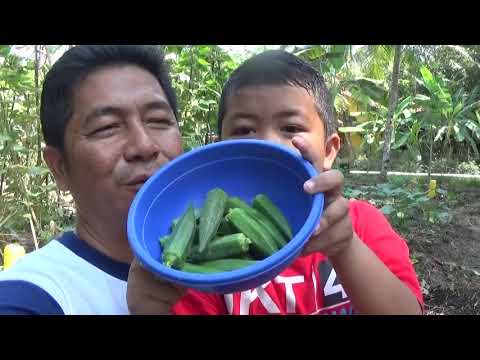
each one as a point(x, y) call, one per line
point(56, 107)
point(278, 67)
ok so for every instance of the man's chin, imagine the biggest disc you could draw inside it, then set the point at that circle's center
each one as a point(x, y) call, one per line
point(134, 188)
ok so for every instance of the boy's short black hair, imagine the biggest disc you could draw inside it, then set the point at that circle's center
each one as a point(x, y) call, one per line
point(56, 105)
point(278, 67)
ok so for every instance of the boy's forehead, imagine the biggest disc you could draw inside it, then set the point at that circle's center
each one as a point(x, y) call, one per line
point(271, 97)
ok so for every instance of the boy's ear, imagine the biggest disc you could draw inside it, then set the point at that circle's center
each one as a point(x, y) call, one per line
point(56, 162)
point(332, 147)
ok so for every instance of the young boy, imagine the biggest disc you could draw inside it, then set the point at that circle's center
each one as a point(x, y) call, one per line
point(355, 262)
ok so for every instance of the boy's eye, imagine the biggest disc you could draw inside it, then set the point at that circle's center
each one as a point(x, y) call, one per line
point(242, 131)
point(292, 129)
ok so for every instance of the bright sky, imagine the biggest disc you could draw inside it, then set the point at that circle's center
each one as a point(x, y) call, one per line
point(241, 52)
point(27, 51)
point(244, 51)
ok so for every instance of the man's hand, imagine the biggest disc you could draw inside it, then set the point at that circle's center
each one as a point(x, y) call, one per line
point(334, 233)
point(149, 295)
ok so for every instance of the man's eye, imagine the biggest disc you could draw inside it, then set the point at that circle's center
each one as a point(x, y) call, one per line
point(242, 131)
point(160, 123)
point(105, 131)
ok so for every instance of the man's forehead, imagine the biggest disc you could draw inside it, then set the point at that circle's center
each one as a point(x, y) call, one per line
point(115, 76)
point(115, 85)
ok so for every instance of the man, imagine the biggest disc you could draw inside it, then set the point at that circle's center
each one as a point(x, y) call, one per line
point(109, 120)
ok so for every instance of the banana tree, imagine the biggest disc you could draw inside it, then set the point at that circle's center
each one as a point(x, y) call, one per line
point(452, 118)
point(409, 128)
point(391, 108)
point(333, 63)
point(461, 122)
point(371, 96)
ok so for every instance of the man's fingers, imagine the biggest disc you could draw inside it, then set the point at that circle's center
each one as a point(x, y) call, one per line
point(171, 292)
point(150, 277)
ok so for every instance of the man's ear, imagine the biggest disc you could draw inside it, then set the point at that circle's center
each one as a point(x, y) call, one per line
point(56, 162)
point(332, 147)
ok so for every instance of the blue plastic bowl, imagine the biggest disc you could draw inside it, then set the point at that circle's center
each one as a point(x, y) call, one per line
point(242, 168)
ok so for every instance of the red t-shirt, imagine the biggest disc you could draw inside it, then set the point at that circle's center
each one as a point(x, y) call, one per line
point(310, 285)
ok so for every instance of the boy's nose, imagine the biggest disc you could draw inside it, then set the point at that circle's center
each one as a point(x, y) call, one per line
point(277, 138)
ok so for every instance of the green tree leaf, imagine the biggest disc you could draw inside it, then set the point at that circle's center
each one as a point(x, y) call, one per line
point(387, 209)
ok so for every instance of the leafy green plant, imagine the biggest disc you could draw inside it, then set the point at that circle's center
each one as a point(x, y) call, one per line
point(470, 167)
point(198, 75)
point(402, 200)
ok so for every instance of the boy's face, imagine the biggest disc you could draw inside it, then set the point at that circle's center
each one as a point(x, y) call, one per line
point(277, 114)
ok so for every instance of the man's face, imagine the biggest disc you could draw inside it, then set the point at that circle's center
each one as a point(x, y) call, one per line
point(277, 114)
point(121, 131)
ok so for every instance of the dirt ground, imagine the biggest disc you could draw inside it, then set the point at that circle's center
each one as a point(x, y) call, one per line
point(447, 259)
point(446, 256)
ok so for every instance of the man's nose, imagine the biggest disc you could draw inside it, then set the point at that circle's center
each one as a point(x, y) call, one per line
point(141, 145)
